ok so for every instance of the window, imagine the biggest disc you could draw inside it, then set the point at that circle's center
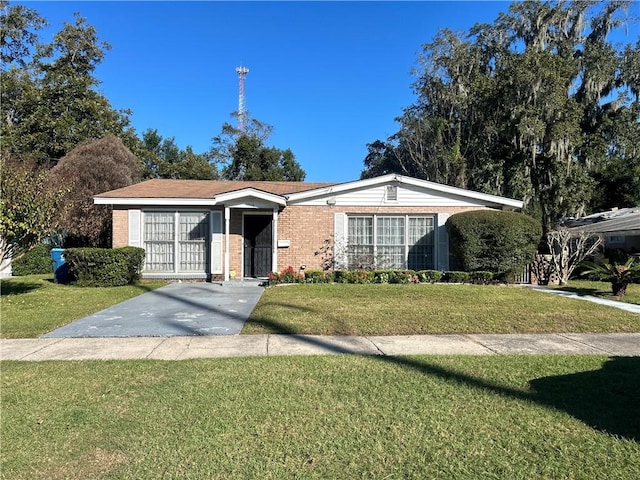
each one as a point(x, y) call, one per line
point(399, 242)
point(360, 242)
point(193, 235)
point(392, 193)
point(390, 252)
point(159, 241)
point(615, 239)
point(420, 243)
point(166, 233)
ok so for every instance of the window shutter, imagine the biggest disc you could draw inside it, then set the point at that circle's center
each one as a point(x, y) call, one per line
point(216, 242)
point(443, 242)
point(135, 229)
point(339, 240)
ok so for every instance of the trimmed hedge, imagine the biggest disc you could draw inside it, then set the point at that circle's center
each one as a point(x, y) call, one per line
point(455, 277)
point(104, 267)
point(481, 277)
point(36, 261)
point(493, 241)
point(429, 276)
point(316, 276)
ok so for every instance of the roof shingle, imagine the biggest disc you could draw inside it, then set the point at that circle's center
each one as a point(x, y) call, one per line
point(164, 188)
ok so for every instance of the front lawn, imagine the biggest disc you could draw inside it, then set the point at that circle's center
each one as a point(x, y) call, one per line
point(33, 305)
point(603, 290)
point(515, 417)
point(342, 309)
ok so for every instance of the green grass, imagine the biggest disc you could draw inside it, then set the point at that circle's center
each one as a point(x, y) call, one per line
point(603, 290)
point(516, 417)
point(331, 309)
point(33, 305)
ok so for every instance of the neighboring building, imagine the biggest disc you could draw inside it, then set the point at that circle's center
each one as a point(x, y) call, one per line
point(620, 228)
point(224, 229)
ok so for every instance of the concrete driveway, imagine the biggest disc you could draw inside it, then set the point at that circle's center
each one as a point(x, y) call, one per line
point(177, 309)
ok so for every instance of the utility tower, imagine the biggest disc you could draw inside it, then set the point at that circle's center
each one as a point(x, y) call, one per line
point(242, 113)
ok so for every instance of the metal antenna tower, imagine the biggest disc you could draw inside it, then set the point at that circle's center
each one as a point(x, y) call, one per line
point(242, 113)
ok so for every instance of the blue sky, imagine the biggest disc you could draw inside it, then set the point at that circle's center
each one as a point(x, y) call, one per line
point(329, 76)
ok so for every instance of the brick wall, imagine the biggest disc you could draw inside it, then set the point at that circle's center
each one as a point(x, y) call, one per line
point(120, 228)
point(235, 242)
point(307, 227)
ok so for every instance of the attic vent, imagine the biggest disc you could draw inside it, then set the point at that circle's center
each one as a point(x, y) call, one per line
point(392, 193)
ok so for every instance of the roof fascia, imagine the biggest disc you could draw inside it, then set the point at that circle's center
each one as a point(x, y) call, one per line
point(341, 187)
point(251, 193)
point(154, 201)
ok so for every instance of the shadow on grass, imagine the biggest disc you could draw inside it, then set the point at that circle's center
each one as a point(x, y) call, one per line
point(604, 399)
point(594, 292)
point(337, 325)
point(17, 288)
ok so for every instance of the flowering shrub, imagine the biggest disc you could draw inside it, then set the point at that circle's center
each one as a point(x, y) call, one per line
point(288, 275)
point(291, 275)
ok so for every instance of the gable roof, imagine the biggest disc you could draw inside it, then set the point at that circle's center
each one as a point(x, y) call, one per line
point(212, 192)
point(402, 179)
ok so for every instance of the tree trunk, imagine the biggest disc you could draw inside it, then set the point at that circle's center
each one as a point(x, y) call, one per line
point(618, 288)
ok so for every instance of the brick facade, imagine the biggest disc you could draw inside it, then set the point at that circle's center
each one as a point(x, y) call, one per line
point(307, 227)
point(120, 237)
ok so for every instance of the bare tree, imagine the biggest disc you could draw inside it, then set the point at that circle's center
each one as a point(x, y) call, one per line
point(569, 248)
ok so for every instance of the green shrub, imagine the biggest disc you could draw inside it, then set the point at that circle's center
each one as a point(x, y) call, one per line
point(402, 276)
point(103, 267)
point(481, 277)
point(508, 277)
point(455, 277)
point(316, 276)
point(382, 276)
point(353, 276)
point(36, 261)
point(429, 276)
point(494, 241)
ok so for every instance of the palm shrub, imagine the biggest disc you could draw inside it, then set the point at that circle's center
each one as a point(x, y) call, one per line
point(620, 275)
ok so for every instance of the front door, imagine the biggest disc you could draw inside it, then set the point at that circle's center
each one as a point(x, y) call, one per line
point(258, 245)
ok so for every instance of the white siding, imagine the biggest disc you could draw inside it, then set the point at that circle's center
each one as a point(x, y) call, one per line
point(408, 196)
point(135, 228)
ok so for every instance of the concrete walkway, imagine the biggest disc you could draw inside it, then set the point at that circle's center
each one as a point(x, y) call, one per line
point(181, 348)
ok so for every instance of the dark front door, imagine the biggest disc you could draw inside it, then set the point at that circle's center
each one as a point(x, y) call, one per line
point(258, 245)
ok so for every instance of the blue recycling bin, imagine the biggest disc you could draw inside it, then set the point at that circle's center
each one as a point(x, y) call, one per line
point(60, 267)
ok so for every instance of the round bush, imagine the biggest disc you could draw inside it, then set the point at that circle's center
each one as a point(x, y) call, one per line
point(36, 261)
point(493, 241)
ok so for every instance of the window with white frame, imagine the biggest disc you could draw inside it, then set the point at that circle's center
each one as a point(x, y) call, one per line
point(390, 242)
point(159, 241)
point(360, 242)
point(192, 242)
point(166, 233)
point(401, 241)
point(391, 193)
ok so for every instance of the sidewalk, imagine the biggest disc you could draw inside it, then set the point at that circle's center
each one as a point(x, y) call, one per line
point(181, 348)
